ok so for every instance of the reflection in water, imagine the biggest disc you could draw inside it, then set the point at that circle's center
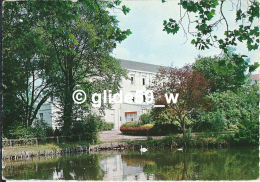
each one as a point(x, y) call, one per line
point(217, 164)
point(116, 169)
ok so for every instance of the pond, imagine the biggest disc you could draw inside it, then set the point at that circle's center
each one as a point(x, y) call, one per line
point(196, 164)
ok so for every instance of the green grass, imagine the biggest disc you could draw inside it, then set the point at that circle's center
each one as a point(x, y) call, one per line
point(42, 147)
point(32, 148)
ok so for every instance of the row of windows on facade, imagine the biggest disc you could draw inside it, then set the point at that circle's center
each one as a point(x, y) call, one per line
point(144, 99)
point(132, 80)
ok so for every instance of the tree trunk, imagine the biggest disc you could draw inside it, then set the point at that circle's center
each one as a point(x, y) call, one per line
point(68, 101)
point(184, 132)
point(67, 113)
point(183, 128)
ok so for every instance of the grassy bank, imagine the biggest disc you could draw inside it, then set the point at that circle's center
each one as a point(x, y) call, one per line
point(194, 140)
point(42, 147)
point(177, 141)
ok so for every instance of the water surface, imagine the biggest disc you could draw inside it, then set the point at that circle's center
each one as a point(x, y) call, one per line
point(199, 164)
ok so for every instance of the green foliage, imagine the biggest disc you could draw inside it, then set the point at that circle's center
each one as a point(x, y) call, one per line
point(234, 99)
point(131, 124)
point(51, 41)
point(164, 129)
point(236, 111)
point(248, 132)
point(87, 128)
point(105, 126)
point(202, 20)
point(39, 129)
point(22, 67)
point(146, 118)
point(209, 121)
point(17, 132)
point(206, 20)
point(163, 116)
point(225, 73)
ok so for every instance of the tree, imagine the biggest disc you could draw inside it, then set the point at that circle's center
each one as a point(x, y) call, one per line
point(223, 73)
point(191, 87)
point(27, 71)
point(235, 111)
point(80, 42)
point(63, 44)
point(203, 23)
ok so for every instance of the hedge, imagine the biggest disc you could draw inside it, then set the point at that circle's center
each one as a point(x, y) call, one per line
point(104, 126)
point(149, 130)
point(135, 130)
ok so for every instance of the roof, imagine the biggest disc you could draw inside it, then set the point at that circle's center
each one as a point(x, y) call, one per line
point(139, 66)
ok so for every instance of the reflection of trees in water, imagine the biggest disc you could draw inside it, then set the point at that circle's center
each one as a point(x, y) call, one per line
point(218, 164)
point(84, 167)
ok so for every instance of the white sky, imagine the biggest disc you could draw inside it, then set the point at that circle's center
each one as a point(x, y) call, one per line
point(149, 44)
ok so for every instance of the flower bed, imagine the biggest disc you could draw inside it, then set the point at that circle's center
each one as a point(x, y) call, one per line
point(136, 130)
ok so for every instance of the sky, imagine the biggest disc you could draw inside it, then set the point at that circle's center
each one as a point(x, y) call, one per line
point(149, 44)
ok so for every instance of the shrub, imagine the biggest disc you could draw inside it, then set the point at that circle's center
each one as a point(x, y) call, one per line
point(146, 118)
point(164, 129)
point(87, 128)
point(149, 129)
point(136, 130)
point(209, 121)
point(104, 126)
point(131, 124)
point(19, 131)
point(248, 132)
point(39, 129)
point(231, 111)
point(147, 125)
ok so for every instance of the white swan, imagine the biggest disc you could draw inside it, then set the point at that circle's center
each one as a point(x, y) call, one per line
point(143, 149)
point(180, 149)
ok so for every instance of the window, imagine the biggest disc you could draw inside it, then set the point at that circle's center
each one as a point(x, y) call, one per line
point(133, 99)
point(131, 116)
point(144, 99)
point(132, 80)
point(143, 81)
point(41, 116)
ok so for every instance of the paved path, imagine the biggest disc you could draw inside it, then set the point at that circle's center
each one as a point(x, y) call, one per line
point(116, 135)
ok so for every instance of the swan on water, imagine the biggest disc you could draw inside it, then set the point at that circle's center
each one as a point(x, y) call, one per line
point(143, 149)
point(180, 149)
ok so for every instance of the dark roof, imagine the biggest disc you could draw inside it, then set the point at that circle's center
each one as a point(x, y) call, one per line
point(139, 66)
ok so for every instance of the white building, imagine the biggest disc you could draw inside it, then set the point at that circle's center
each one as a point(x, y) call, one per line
point(115, 169)
point(140, 76)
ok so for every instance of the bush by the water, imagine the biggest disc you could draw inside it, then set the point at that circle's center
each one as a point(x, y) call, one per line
point(164, 129)
point(177, 141)
point(235, 111)
point(39, 129)
point(87, 128)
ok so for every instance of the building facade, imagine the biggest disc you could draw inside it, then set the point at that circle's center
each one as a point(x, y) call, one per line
point(140, 76)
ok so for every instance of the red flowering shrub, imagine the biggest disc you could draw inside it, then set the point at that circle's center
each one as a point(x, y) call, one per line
point(135, 130)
